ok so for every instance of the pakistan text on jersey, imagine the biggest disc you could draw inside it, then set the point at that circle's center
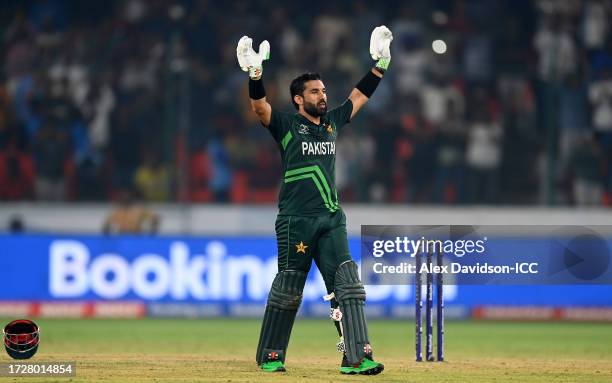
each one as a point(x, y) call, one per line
point(318, 148)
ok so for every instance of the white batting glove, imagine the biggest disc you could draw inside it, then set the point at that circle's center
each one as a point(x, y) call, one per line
point(380, 42)
point(249, 60)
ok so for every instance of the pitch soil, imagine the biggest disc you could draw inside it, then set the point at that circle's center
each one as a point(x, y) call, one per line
point(169, 350)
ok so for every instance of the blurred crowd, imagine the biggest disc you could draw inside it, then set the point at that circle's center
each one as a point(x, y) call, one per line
point(145, 96)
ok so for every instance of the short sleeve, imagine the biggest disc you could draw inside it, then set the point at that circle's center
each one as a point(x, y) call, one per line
point(341, 115)
point(280, 122)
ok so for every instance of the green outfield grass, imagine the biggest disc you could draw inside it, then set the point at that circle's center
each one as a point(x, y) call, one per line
point(158, 350)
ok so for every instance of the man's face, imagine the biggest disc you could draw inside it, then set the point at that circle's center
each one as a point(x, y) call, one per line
point(315, 98)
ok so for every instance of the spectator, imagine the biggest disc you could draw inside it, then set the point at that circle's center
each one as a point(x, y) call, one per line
point(586, 166)
point(16, 225)
point(600, 95)
point(328, 31)
point(483, 158)
point(16, 175)
point(12, 134)
point(595, 24)
point(152, 179)
point(354, 158)
point(437, 97)
point(98, 108)
point(20, 50)
point(572, 115)
point(410, 56)
point(221, 179)
point(478, 58)
point(51, 151)
point(90, 180)
point(450, 162)
point(521, 142)
point(124, 149)
point(130, 217)
point(557, 56)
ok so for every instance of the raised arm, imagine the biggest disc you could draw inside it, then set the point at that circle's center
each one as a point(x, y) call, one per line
point(357, 97)
point(380, 42)
point(252, 62)
point(261, 107)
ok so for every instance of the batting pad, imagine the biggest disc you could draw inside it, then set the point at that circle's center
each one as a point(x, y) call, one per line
point(283, 302)
point(351, 295)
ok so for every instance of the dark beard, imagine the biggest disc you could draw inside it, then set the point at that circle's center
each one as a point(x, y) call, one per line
point(314, 110)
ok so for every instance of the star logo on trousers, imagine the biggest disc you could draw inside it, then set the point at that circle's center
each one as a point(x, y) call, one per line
point(301, 248)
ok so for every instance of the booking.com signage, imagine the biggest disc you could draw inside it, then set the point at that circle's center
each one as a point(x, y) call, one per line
point(216, 271)
point(150, 268)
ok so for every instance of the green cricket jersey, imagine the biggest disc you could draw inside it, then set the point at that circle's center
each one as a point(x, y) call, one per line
point(308, 153)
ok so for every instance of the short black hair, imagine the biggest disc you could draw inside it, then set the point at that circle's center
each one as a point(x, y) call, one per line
point(298, 84)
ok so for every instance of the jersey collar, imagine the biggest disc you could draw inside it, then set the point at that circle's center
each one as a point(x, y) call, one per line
point(323, 120)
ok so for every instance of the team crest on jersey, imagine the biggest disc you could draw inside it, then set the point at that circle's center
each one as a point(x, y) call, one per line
point(330, 130)
point(301, 248)
point(303, 129)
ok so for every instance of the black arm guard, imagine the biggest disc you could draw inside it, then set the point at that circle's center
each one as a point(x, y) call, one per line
point(256, 89)
point(367, 85)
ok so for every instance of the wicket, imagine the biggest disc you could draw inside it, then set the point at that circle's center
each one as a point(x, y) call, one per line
point(418, 304)
point(429, 278)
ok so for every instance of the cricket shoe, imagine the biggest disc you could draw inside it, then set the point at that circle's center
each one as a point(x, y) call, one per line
point(366, 367)
point(273, 366)
point(273, 363)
